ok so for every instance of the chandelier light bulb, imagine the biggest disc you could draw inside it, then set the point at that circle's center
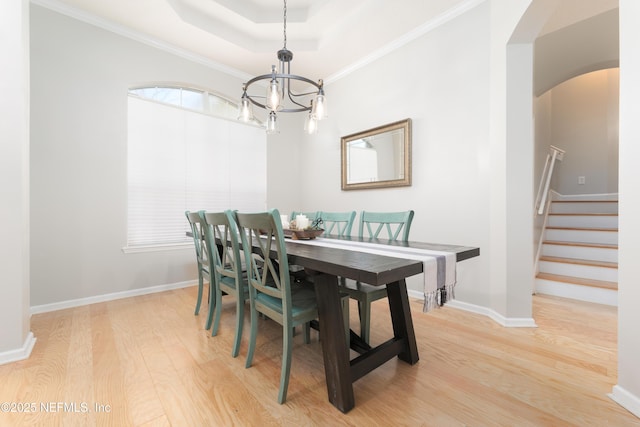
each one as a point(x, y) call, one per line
point(273, 92)
point(319, 106)
point(311, 124)
point(245, 114)
point(272, 124)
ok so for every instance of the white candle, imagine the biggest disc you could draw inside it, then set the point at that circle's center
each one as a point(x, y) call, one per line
point(302, 222)
point(285, 221)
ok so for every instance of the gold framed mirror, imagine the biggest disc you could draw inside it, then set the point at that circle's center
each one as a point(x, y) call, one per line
point(378, 157)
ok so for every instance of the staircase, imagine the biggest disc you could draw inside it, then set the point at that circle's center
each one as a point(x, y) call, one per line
point(579, 254)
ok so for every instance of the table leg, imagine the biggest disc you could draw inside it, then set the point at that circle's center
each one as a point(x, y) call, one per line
point(402, 322)
point(334, 347)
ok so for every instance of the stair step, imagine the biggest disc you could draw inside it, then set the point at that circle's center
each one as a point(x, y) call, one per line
point(584, 206)
point(582, 244)
point(587, 201)
point(608, 236)
point(587, 221)
point(575, 267)
point(579, 252)
point(603, 284)
point(583, 214)
point(590, 251)
point(605, 264)
point(584, 229)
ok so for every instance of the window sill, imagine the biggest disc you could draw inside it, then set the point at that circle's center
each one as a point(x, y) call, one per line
point(157, 248)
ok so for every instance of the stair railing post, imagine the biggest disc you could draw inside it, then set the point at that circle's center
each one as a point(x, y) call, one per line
point(556, 154)
point(547, 184)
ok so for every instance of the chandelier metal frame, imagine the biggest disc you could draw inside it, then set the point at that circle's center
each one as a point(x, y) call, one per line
point(287, 101)
point(285, 79)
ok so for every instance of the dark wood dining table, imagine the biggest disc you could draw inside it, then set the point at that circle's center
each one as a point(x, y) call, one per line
point(329, 264)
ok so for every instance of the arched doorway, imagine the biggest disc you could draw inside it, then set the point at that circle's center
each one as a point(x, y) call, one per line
point(553, 42)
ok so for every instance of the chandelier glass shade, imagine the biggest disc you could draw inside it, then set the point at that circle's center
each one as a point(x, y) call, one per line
point(280, 97)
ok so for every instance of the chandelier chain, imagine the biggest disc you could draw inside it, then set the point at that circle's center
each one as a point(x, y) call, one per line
point(285, 24)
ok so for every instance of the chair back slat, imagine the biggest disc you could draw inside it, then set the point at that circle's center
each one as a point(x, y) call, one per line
point(396, 224)
point(341, 222)
point(221, 237)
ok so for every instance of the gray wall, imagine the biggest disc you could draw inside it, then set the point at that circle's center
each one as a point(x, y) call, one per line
point(627, 391)
point(16, 339)
point(439, 81)
point(79, 80)
point(581, 117)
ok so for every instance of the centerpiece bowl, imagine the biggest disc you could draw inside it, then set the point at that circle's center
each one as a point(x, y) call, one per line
point(306, 234)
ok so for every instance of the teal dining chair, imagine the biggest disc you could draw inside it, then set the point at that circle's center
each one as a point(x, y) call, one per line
point(378, 225)
point(337, 223)
point(271, 290)
point(225, 260)
point(202, 259)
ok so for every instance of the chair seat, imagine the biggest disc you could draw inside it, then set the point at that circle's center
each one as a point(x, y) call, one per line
point(230, 282)
point(303, 298)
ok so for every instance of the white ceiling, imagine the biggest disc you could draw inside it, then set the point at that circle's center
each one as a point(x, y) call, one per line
point(327, 37)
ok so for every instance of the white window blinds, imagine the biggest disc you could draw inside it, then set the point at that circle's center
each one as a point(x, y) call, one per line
point(182, 160)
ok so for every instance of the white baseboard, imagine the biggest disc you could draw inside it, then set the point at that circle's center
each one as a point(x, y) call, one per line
point(513, 322)
point(628, 401)
point(107, 297)
point(20, 353)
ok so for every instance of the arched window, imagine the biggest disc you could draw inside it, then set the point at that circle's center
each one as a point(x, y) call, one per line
point(190, 98)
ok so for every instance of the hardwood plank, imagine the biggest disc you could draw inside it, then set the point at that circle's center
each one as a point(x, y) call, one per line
point(151, 360)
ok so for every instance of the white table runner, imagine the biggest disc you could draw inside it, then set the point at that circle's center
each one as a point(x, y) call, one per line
point(439, 267)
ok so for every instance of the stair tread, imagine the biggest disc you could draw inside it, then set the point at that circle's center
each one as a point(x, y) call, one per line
point(583, 228)
point(581, 244)
point(582, 214)
point(585, 201)
point(606, 264)
point(579, 281)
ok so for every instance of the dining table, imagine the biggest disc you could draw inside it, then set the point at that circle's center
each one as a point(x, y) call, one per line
point(326, 266)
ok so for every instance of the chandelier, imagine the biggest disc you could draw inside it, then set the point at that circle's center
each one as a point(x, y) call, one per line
point(280, 98)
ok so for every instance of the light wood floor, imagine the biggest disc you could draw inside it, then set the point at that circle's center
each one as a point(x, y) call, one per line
point(147, 361)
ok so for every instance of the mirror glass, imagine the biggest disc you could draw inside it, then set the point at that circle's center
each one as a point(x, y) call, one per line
point(378, 157)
